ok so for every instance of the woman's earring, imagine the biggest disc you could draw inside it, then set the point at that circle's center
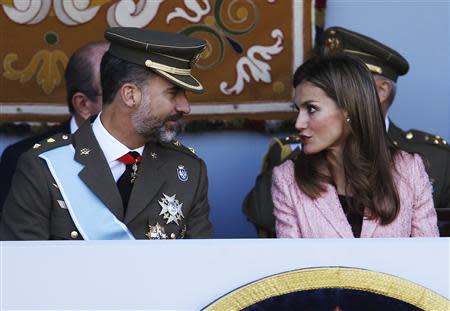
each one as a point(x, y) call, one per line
point(347, 119)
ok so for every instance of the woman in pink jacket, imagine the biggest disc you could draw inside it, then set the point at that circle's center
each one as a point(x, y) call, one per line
point(349, 180)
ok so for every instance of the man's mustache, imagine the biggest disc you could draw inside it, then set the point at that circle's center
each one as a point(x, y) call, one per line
point(175, 117)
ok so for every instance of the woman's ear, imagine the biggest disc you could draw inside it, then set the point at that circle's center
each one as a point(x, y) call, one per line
point(130, 94)
point(346, 117)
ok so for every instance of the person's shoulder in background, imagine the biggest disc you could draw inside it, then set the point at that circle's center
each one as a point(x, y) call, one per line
point(12, 153)
point(279, 150)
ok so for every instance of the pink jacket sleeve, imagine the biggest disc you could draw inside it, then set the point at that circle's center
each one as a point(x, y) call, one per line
point(286, 224)
point(424, 219)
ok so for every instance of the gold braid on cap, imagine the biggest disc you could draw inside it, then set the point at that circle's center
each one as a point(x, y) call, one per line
point(169, 69)
point(373, 68)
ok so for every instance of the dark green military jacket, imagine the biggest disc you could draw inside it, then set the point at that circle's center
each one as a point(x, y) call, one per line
point(35, 208)
point(436, 154)
point(258, 205)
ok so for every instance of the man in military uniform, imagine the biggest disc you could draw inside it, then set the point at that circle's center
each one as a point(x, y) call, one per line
point(82, 77)
point(120, 176)
point(386, 65)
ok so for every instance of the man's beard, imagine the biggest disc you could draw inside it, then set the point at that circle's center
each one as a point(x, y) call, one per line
point(153, 128)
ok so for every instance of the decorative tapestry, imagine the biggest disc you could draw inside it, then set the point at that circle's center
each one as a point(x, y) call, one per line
point(253, 48)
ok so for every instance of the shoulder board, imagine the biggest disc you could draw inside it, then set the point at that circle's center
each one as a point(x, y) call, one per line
point(291, 139)
point(51, 142)
point(176, 145)
point(419, 137)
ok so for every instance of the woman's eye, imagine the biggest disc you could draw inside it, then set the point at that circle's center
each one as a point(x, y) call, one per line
point(311, 109)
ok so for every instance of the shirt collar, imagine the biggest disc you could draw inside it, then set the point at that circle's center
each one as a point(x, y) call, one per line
point(111, 147)
point(73, 125)
point(387, 122)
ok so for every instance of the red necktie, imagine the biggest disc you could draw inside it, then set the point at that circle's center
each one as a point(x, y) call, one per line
point(125, 182)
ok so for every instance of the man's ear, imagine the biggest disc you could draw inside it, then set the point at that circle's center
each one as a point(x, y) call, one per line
point(130, 94)
point(384, 89)
point(80, 103)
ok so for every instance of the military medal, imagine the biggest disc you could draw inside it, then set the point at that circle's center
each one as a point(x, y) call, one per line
point(156, 232)
point(182, 173)
point(134, 168)
point(171, 209)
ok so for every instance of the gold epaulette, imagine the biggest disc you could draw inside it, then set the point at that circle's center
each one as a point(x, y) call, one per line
point(291, 139)
point(55, 140)
point(418, 136)
point(175, 144)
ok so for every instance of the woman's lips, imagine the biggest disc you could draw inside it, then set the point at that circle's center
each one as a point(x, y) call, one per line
point(304, 138)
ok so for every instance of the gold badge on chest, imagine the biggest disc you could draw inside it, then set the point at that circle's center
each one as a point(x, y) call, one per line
point(156, 232)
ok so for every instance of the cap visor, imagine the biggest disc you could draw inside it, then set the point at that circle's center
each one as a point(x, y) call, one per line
point(186, 82)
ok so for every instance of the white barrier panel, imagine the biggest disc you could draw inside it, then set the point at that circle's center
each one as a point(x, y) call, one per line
point(190, 274)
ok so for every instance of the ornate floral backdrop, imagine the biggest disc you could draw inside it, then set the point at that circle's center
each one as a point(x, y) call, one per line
point(253, 47)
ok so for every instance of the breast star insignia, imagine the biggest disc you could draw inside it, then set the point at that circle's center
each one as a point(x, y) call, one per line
point(171, 209)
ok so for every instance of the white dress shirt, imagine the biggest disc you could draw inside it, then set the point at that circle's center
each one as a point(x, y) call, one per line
point(73, 125)
point(112, 148)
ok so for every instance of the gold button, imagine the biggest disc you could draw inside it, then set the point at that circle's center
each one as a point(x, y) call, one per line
point(395, 142)
point(36, 146)
point(65, 137)
point(172, 235)
point(436, 141)
point(50, 140)
point(427, 137)
point(74, 235)
point(409, 135)
point(444, 142)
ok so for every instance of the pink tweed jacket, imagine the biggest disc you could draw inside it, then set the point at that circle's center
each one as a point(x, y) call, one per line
point(298, 216)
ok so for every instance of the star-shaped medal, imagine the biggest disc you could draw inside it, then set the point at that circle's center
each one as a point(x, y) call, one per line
point(171, 209)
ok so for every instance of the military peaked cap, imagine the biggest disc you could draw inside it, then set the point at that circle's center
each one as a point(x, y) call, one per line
point(379, 58)
point(171, 55)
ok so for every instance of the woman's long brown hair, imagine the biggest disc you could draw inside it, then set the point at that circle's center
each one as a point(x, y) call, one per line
point(367, 156)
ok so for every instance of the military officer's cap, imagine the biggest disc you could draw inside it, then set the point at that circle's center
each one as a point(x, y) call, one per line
point(379, 58)
point(171, 55)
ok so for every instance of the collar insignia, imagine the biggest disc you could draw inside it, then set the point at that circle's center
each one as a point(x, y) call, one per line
point(85, 151)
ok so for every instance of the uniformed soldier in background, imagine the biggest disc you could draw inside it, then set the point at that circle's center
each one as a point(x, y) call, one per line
point(121, 175)
point(386, 65)
point(84, 98)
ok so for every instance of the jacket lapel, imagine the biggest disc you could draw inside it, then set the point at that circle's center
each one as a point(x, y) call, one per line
point(368, 227)
point(148, 182)
point(96, 173)
point(330, 207)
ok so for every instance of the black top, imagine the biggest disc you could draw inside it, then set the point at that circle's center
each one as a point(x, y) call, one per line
point(354, 219)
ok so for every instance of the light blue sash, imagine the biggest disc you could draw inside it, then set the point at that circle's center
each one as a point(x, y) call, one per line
point(91, 217)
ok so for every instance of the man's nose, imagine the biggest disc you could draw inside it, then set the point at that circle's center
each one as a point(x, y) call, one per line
point(183, 105)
